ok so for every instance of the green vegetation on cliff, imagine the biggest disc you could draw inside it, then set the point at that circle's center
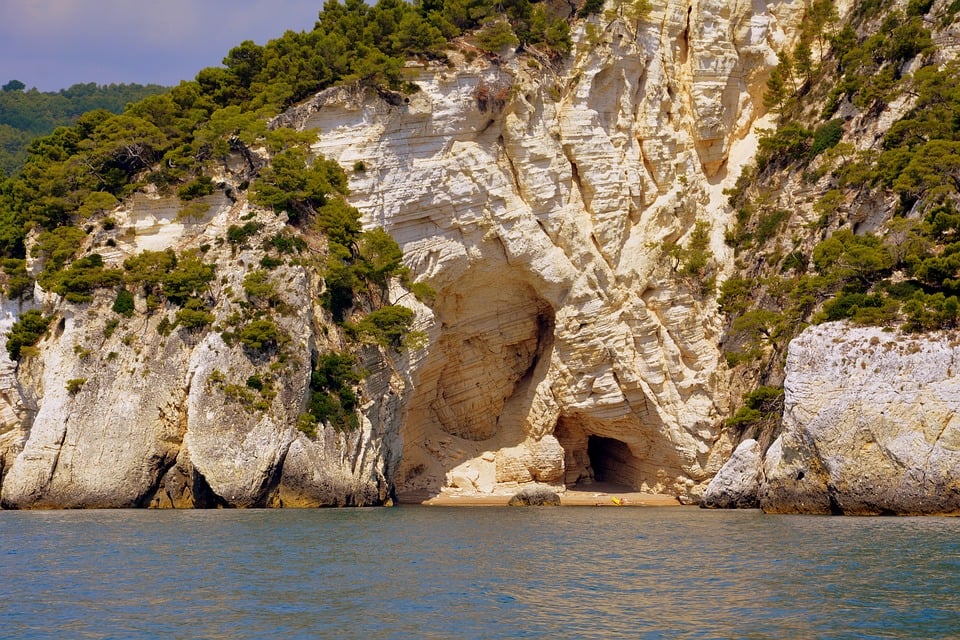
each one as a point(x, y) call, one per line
point(171, 139)
point(212, 140)
point(885, 249)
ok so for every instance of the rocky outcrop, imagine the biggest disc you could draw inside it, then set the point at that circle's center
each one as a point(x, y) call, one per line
point(737, 484)
point(122, 412)
point(564, 343)
point(871, 425)
point(534, 497)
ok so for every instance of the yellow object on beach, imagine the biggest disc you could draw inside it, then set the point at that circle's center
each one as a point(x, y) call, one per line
point(617, 501)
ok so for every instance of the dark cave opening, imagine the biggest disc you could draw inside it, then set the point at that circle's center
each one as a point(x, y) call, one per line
point(611, 460)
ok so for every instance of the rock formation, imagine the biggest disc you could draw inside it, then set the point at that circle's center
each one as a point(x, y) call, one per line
point(737, 484)
point(871, 425)
point(564, 345)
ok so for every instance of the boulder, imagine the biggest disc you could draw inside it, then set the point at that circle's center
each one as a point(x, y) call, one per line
point(737, 485)
point(871, 425)
point(535, 497)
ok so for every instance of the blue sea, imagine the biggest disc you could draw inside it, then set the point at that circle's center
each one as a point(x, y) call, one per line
point(484, 572)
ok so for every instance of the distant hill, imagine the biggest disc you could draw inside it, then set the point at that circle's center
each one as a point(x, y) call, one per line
point(27, 114)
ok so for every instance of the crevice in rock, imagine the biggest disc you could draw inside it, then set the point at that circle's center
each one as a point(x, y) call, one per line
point(685, 38)
point(203, 496)
point(513, 168)
point(835, 508)
point(648, 166)
point(162, 464)
point(575, 175)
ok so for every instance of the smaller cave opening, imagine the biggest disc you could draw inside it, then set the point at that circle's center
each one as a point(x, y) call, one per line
point(611, 460)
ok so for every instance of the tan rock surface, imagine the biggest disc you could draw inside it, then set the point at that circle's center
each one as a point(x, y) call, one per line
point(542, 227)
point(737, 484)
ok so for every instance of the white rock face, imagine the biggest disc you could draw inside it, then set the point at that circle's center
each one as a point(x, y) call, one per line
point(542, 227)
point(871, 425)
point(539, 201)
point(737, 484)
point(169, 420)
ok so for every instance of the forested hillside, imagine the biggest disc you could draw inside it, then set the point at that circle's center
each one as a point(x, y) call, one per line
point(27, 114)
point(852, 210)
point(170, 139)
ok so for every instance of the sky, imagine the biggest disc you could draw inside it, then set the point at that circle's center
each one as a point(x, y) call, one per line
point(52, 44)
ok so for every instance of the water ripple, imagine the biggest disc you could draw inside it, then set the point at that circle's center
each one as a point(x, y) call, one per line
point(475, 573)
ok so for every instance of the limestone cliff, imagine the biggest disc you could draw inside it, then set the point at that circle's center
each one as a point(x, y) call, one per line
point(540, 199)
point(870, 427)
point(563, 344)
point(108, 416)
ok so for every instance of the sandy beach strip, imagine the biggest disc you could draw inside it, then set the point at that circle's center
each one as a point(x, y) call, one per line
point(570, 498)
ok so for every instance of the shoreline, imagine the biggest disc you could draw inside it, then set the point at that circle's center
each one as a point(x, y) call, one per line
point(579, 497)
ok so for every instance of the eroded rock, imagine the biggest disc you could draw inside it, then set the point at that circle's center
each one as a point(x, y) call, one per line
point(535, 497)
point(737, 485)
point(871, 425)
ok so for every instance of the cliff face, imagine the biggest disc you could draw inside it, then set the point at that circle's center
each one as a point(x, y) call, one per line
point(564, 344)
point(541, 203)
point(869, 427)
point(138, 416)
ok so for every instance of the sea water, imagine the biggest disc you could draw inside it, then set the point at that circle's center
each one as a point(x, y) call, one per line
point(483, 572)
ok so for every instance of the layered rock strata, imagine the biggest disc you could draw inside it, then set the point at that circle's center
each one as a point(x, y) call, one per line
point(564, 346)
point(540, 200)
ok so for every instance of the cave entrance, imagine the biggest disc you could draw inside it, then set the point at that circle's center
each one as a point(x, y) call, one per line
point(611, 460)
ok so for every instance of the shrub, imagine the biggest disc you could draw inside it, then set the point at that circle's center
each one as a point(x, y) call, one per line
point(259, 335)
point(386, 326)
point(495, 36)
point(58, 246)
point(764, 403)
point(292, 186)
point(110, 327)
point(188, 280)
point(589, 8)
point(194, 315)
point(332, 398)
point(286, 243)
point(257, 285)
point(826, 136)
point(269, 262)
point(77, 282)
point(380, 257)
point(123, 304)
point(196, 188)
point(18, 280)
point(768, 224)
point(26, 332)
point(164, 327)
point(162, 272)
point(74, 385)
point(238, 235)
point(307, 424)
